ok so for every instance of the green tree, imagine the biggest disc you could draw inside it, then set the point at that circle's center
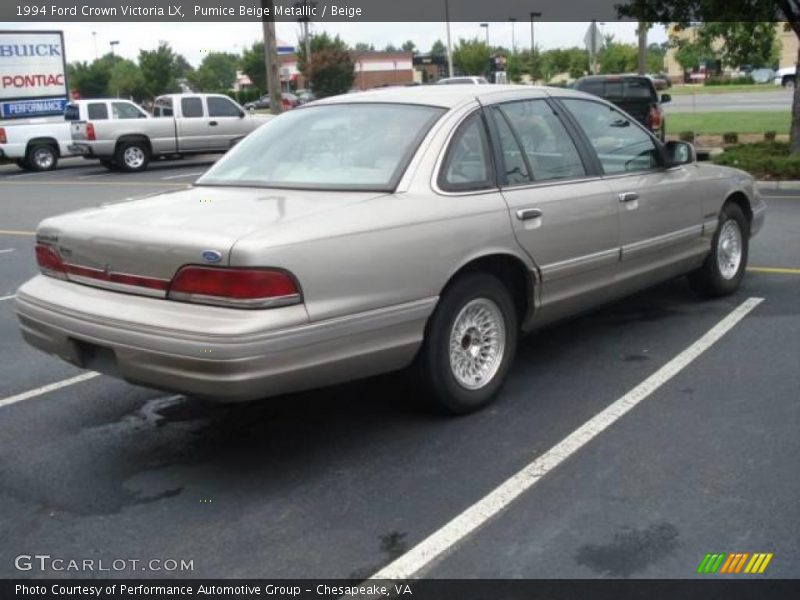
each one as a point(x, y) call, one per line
point(516, 67)
point(616, 57)
point(390, 48)
point(91, 80)
point(182, 67)
point(216, 73)
point(330, 70)
point(159, 69)
point(254, 65)
point(690, 53)
point(409, 46)
point(364, 47)
point(655, 58)
point(750, 44)
point(712, 11)
point(471, 56)
point(438, 49)
point(126, 81)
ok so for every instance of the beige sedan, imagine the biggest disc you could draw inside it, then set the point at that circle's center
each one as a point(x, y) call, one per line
point(370, 232)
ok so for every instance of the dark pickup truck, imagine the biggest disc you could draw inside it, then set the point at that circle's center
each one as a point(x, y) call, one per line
point(635, 94)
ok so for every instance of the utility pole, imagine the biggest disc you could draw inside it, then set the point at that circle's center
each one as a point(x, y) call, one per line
point(513, 37)
point(449, 47)
point(271, 57)
point(534, 15)
point(642, 31)
point(593, 34)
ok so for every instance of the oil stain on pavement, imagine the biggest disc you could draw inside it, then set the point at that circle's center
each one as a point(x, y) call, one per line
point(631, 550)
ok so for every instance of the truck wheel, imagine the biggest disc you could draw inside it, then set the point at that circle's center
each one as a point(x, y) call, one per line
point(21, 164)
point(723, 269)
point(470, 344)
point(41, 157)
point(132, 156)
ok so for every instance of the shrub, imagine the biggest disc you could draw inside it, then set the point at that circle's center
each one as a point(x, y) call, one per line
point(769, 136)
point(730, 137)
point(686, 136)
point(764, 160)
point(724, 80)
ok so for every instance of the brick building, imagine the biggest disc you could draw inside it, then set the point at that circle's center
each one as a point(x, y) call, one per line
point(372, 69)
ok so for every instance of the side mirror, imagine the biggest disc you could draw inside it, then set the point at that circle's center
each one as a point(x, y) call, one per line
point(665, 98)
point(681, 153)
point(241, 114)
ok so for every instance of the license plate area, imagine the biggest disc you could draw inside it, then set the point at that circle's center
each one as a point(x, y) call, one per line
point(95, 357)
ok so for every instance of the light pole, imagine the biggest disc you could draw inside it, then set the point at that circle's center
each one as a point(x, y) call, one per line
point(94, 38)
point(486, 26)
point(534, 15)
point(513, 37)
point(113, 43)
point(449, 49)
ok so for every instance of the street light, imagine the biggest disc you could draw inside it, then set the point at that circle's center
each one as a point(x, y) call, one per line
point(486, 26)
point(94, 37)
point(513, 38)
point(112, 44)
point(534, 15)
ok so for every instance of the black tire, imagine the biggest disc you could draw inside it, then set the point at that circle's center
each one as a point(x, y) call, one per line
point(709, 280)
point(22, 164)
point(446, 393)
point(789, 82)
point(109, 164)
point(122, 158)
point(41, 157)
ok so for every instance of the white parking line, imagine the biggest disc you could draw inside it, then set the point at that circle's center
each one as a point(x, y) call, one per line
point(47, 388)
point(6, 251)
point(184, 175)
point(7, 297)
point(95, 175)
point(423, 554)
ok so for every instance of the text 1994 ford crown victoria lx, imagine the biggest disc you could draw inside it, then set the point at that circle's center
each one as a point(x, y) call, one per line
point(368, 232)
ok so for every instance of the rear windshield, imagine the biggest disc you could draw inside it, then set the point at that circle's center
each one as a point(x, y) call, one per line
point(71, 113)
point(619, 89)
point(360, 146)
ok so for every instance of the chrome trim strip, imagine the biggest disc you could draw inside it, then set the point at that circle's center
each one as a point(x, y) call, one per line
point(662, 241)
point(572, 266)
point(116, 287)
point(250, 303)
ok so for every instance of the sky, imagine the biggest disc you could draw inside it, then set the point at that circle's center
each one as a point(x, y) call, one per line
point(194, 40)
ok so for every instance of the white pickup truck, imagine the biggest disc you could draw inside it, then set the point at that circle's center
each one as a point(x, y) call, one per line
point(181, 124)
point(37, 144)
point(786, 76)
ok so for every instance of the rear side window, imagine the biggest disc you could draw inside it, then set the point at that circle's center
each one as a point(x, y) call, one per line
point(123, 110)
point(547, 146)
point(620, 144)
point(97, 111)
point(222, 107)
point(71, 113)
point(192, 107)
point(467, 164)
point(163, 107)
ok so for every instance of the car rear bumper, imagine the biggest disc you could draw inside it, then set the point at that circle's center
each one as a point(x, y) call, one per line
point(219, 355)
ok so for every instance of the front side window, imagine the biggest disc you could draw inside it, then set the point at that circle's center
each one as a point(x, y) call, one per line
point(124, 110)
point(358, 146)
point(192, 107)
point(467, 164)
point(97, 111)
point(547, 145)
point(222, 107)
point(621, 145)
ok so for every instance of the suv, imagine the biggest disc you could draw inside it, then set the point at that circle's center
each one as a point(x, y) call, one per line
point(635, 94)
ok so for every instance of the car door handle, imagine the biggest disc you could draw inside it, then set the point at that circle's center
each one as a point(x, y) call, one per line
point(528, 213)
point(628, 196)
point(212, 123)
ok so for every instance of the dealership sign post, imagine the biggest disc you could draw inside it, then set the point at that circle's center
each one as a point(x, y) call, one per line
point(32, 74)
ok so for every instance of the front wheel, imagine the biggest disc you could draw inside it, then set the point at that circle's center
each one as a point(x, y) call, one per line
point(723, 269)
point(41, 157)
point(470, 344)
point(132, 156)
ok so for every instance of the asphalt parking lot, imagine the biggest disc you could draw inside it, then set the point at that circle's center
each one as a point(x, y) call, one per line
point(342, 482)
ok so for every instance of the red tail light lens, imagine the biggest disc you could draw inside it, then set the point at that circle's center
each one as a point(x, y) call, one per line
point(90, 132)
point(50, 262)
point(3, 139)
point(241, 288)
point(654, 118)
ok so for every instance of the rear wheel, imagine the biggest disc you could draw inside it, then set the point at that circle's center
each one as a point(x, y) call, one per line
point(470, 344)
point(41, 157)
point(132, 156)
point(788, 82)
point(723, 269)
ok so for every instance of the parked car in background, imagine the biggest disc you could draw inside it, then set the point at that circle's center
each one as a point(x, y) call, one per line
point(762, 75)
point(469, 80)
point(182, 124)
point(305, 96)
point(288, 101)
point(368, 232)
point(786, 77)
point(660, 81)
point(635, 94)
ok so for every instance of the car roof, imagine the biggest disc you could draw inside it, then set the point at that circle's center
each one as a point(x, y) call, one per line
point(447, 96)
point(612, 77)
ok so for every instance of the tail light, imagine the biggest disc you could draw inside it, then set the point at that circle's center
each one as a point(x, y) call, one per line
point(654, 118)
point(233, 287)
point(90, 132)
point(50, 262)
point(3, 139)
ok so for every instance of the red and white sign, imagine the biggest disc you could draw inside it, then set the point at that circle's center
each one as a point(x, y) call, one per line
point(31, 65)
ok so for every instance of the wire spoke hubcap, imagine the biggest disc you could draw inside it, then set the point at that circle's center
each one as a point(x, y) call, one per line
point(729, 249)
point(477, 343)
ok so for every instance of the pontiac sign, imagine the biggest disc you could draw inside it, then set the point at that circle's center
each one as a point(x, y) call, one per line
point(32, 74)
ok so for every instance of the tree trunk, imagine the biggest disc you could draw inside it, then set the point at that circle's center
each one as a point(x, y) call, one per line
point(794, 133)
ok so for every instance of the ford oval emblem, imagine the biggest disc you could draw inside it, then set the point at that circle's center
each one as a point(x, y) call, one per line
point(212, 256)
